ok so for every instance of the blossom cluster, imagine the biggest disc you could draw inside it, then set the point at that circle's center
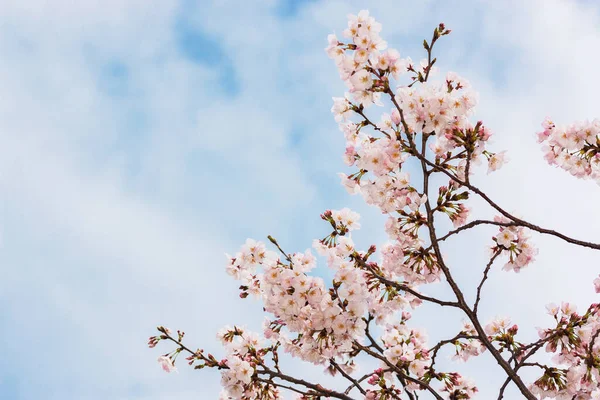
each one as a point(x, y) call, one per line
point(406, 347)
point(166, 361)
point(574, 148)
point(316, 323)
point(379, 381)
point(413, 264)
point(469, 346)
point(238, 367)
point(500, 332)
point(575, 346)
point(440, 110)
point(515, 241)
point(459, 387)
point(449, 202)
point(363, 31)
point(326, 321)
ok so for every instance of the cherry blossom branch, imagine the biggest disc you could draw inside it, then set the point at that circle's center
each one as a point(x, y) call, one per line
point(473, 188)
point(503, 388)
point(411, 396)
point(316, 387)
point(398, 370)
point(180, 345)
point(485, 276)
point(404, 287)
point(518, 221)
point(437, 33)
point(590, 353)
point(534, 364)
point(276, 384)
point(535, 346)
point(375, 345)
point(435, 243)
point(327, 320)
point(358, 381)
point(436, 248)
point(459, 295)
point(369, 336)
point(473, 317)
point(434, 350)
point(593, 339)
point(287, 256)
point(359, 111)
point(355, 383)
point(473, 224)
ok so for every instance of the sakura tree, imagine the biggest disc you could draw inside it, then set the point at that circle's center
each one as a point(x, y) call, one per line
point(362, 313)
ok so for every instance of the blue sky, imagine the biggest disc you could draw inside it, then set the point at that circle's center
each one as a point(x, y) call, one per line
point(140, 141)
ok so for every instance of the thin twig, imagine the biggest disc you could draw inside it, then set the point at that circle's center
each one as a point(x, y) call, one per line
point(355, 383)
point(399, 371)
point(406, 288)
point(518, 221)
point(485, 276)
point(316, 387)
point(473, 224)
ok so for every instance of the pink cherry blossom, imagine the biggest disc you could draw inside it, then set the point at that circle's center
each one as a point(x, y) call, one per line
point(166, 364)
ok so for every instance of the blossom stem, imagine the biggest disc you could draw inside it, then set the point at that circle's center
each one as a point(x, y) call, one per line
point(398, 370)
point(316, 387)
point(355, 383)
point(485, 276)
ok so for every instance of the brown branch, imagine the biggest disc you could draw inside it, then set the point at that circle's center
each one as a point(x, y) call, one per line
point(398, 370)
point(434, 350)
point(534, 364)
point(181, 345)
point(355, 383)
point(362, 378)
point(266, 371)
point(360, 112)
point(485, 276)
point(375, 345)
point(518, 221)
point(276, 384)
point(534, 346)
point(593, 340)
point(437, 168)
point(316, 387)
point(459, 295)
point(368, 334)
point(400, 286)
point(473, 224)
point(503, 388)
point(287, 256)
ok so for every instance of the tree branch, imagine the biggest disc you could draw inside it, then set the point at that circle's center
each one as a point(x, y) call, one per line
point(473, 224)
point(355, 383)
point(433, 238)
point(518, 221)
point(316, 387)
point(398, 370)
point(485, 276)
point(405, 288)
